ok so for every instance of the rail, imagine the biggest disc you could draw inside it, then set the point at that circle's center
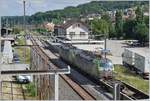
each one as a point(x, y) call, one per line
point(137, 94)
point(76, 87)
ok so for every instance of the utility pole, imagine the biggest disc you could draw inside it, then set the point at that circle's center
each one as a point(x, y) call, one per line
point(24, 27)
point(6, 27)
point(24, 17)
point(0, 63)
point(91, 36)
point(105, 45)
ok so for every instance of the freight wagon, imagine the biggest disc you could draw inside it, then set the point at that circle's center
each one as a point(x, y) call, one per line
point(137, 59)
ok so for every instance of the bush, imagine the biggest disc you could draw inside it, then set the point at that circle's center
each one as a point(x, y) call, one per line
point(30, 88)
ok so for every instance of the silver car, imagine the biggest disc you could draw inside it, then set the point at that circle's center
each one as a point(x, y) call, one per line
point(23, 79)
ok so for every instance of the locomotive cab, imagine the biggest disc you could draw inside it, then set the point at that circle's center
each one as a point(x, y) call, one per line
point(106, 69)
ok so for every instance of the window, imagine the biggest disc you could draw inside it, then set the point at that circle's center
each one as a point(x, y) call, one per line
point(71, 33)
point(82, 33)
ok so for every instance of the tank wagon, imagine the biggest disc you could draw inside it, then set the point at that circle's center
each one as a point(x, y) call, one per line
point(87, 62)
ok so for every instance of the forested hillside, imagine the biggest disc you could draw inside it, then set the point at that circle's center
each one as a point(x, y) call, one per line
point(57, 16)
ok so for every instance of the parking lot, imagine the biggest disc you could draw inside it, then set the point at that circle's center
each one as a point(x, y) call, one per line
point(116, 48)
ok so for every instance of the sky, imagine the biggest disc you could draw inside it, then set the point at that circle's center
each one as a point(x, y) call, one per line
point(15, 7)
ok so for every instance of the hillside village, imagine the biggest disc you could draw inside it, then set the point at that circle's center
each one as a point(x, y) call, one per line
point(98, 50)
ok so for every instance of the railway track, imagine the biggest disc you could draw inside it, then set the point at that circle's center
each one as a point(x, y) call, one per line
point(128, 93)
point(137, 94)
point(76, 87)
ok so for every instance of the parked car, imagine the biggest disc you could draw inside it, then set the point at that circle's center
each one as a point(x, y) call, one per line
point(23, 78)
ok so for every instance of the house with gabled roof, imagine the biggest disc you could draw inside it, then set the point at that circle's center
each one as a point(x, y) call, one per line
point(72, 29)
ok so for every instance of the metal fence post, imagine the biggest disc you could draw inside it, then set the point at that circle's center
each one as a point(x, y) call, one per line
point(0, 63)
point(116, 91)
point(56, 87)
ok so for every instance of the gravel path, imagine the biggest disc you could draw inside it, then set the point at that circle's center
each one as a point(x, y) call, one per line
point(91, 87)
point(67, 93)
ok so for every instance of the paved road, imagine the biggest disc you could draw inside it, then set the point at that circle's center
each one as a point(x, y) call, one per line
point(117, 48)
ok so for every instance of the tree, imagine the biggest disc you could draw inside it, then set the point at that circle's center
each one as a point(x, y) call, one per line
point(100, 27)
point(142, 33)
point(146, 20)
point(119, 24)
point(142, 26)
point(139, 15)
point(106, 17)
point(112, 31)
point(94, 7)
point(128, 29)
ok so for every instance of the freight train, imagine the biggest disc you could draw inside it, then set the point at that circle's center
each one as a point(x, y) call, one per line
point(85, 61)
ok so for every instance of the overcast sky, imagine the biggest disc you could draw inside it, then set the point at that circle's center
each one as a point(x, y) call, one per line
point(15, 7)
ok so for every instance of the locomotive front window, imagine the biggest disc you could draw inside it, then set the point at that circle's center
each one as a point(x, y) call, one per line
point(106, 66)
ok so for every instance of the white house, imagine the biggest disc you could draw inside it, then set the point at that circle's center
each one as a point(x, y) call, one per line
point(72, 30)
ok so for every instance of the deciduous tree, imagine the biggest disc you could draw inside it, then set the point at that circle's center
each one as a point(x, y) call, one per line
point(119, 24)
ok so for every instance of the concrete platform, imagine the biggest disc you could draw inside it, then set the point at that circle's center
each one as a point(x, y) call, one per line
point(90, 47)
point(5, 67)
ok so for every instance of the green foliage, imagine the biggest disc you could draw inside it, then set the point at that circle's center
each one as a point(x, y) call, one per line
point(20, 40)
point(133, 79)
point(30, 88)
point(137, 28)
point(100, 27)
point(71, 12)
point(90, 8)
point(20, 50)
point(146, 20)
point(94, 7)
point(129, 29)
point(40, 30)
point(111, 27)
point(57, 21)
point(139, 15)
point(16, 30)
point(119, 24)
point(142, 32)
point(106, 17)
point(112, 31)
